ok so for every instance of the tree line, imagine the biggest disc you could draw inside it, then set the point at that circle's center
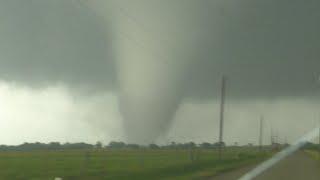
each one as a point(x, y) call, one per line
point(112, 145)
point(44, 146)
point(172, 145)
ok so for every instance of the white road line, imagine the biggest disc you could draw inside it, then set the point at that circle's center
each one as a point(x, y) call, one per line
point(281, 155)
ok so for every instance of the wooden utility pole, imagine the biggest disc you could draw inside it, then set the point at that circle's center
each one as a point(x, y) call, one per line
point(223, 89)
point(319, 142)
point(261, 133)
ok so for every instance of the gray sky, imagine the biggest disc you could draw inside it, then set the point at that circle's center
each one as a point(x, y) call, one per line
point(106, 70)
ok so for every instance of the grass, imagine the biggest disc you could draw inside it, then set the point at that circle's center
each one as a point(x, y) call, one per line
point(121, 164)
point(314, 154)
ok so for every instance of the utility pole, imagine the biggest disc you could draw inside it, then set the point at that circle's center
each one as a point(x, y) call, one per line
point(319, 141)
point(271, 136)
point(223, 89)
point(317, 81)
point(261, 133)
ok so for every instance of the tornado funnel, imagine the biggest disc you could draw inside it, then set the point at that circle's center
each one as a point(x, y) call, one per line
point(154, 43)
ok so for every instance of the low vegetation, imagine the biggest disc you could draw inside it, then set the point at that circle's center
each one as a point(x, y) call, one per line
point(313, 150)
point(123, 163)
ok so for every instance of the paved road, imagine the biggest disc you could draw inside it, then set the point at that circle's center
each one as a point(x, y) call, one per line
point(298, 166)
point(233, 175)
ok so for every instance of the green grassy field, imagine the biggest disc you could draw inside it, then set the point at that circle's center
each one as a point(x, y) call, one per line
point(314, 154)
point(121, 164)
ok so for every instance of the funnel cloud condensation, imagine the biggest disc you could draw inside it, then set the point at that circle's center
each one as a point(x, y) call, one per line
point(154, 53)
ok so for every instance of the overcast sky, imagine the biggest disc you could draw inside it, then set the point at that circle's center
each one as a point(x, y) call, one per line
point(138, 70)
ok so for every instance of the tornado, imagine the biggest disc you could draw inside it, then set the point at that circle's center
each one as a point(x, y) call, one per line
point(154, 43)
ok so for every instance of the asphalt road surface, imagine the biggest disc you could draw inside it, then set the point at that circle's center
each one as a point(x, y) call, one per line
point(298, 166)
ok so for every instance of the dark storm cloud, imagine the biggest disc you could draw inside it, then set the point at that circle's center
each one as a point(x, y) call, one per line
point(266, 48)
point(44, 42)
